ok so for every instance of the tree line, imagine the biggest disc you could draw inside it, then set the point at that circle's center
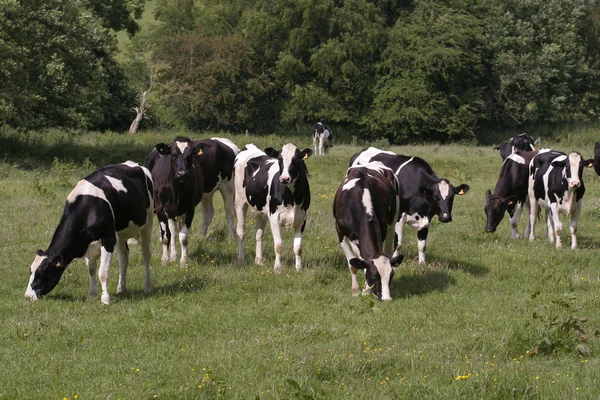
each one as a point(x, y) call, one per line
point(404, 70)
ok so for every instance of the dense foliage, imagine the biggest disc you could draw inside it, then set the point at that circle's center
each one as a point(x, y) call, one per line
point(405, 70)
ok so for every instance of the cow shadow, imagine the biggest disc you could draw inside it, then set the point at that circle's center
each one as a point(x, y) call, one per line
point(473, 269)
point(419, 284)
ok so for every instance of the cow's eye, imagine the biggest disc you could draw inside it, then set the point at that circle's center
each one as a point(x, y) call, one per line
point(417, 218)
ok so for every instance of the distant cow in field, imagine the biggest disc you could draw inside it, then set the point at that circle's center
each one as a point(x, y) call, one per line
point(106, 208)
point(216, 161)
point(422, 194)
point(322, 138)
point(366, 208)
point(556, 184)
point(178, 188)
point(511, 193)
point(522, 142)
point(274, 184)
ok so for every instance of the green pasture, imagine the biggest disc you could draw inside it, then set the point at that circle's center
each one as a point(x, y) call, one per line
point(486, 318)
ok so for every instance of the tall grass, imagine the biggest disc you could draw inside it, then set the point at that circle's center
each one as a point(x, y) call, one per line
point(486, 317)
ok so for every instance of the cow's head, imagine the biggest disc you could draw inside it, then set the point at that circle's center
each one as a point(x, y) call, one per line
point(45, 273)
point(417, 216)
point(291, 161)
point(182, 153)
point(441, 196)
point(379, 273)
point(495, 207)
point(572, 167)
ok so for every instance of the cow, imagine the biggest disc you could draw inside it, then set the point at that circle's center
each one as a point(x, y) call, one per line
point(597, 158)
point(104, 209)
point(216, 162)
point(522, 142)
point(556, 184)
point(422, 194)
point(322, 138)
point(178, 188)
point(510, 194)
point(274, 185)
point(366, 208)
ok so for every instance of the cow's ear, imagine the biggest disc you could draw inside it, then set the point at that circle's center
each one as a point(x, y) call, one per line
point(462, 189)
point(199, 148)
point(163, 149)
point(271, 152)
point(559, 164)
point(588, 163)
point(488, 194)
point(497, 148)
point(304, 154)
point(425, 191)
point(39, 253)
point(395, 261)
point(358, 263)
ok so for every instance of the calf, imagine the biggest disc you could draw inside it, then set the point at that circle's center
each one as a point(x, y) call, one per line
point(422, 194)
point(510, 193)
point(178, 188)
point(106, 208)
point(366, 209)
point(322, 138)
point(274, 184)
point(216, 161)
point(522, 142)
point(556, 184)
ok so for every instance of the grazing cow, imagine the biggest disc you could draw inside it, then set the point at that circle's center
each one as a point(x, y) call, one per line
point(511, 193)
point(366, 208)
point(106, 208)
point(178, 188)
point(422, 194)
point(522, 142)
point(322, 138)
point(216, 161)
point(556, 184)
point(274, 184)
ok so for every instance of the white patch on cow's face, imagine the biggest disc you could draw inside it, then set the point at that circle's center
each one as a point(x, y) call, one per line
point(417, 221)
point(574, 163)
point(365, 156)
point(382, 263)
point(516, 158)
point(367, 202)
point(444, 189)
point(350, 184)
point(116, 183)
point(34, 266)
point(182, 146)
point(288, 151)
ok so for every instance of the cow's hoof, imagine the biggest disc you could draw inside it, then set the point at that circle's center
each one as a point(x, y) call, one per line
point(105, 299)
point(93, 295)
point(355, 292)
point(164, 261)
point(299, 268)
point(258, 261)
point(240, 260)
point(121, 290)
point(277, 269)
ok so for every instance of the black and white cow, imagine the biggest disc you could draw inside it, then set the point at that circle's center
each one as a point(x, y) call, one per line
point(322, 138)
point(216, 160)
point(274, 184)
point(422, 194)
point(178, 188)
point(522, 142)
point(597, 158)
point(106, 208)
point(556, 184)
point(510, 194)
point(366, 208)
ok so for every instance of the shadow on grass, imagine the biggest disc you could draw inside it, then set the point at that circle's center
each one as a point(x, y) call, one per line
point(473, 269)
point(419, 284)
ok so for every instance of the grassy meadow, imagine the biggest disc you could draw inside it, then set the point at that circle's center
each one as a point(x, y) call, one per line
point(486, 318)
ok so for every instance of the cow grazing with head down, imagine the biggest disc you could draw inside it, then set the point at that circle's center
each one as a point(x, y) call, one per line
point(556, 184)
point(216, 161)
point(178, 188)
point(274, 185)
point(511, 193)
point(522, 142)
point(106, 208)
point(366, 208)
point(322, 138)
point(422, 194)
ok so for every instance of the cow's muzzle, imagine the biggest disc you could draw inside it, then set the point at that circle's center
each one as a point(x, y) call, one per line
point(285, 180)
point(445, 217)
point(181, 175)
point(490, 229)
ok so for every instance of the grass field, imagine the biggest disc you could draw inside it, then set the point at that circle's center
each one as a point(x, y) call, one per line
point(464, 325)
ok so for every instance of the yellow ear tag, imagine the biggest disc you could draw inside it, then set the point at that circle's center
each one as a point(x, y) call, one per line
point(590, 165)
point(305, 156)
point(461, 192)
point(200, 152)
point(510, 203)
point(58, 263)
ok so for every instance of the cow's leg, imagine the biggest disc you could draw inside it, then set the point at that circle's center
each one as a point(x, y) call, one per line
point(277, 242)
point(184, 234)
point(422, 243)
point(514, 220)
point(298, 244)
point(208, 212)
point(123, 256)
point(165, 238)
point(108, 246)
point(240, 213)
point(399, 230)
point(228, 192)
point(558, 226)
point(315, 145)
point(145, 238)
point(261, 222)
point(321, 145)
point(533, 210)
point(549, 226)
point(91, 257)
point(172, 222)
point(349, 253)
point(528, 228)
point(573, 225)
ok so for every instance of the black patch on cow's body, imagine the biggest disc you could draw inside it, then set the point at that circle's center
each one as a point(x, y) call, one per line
point(256, 181)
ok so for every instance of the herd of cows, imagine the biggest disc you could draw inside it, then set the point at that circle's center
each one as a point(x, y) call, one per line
point(382, 192)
